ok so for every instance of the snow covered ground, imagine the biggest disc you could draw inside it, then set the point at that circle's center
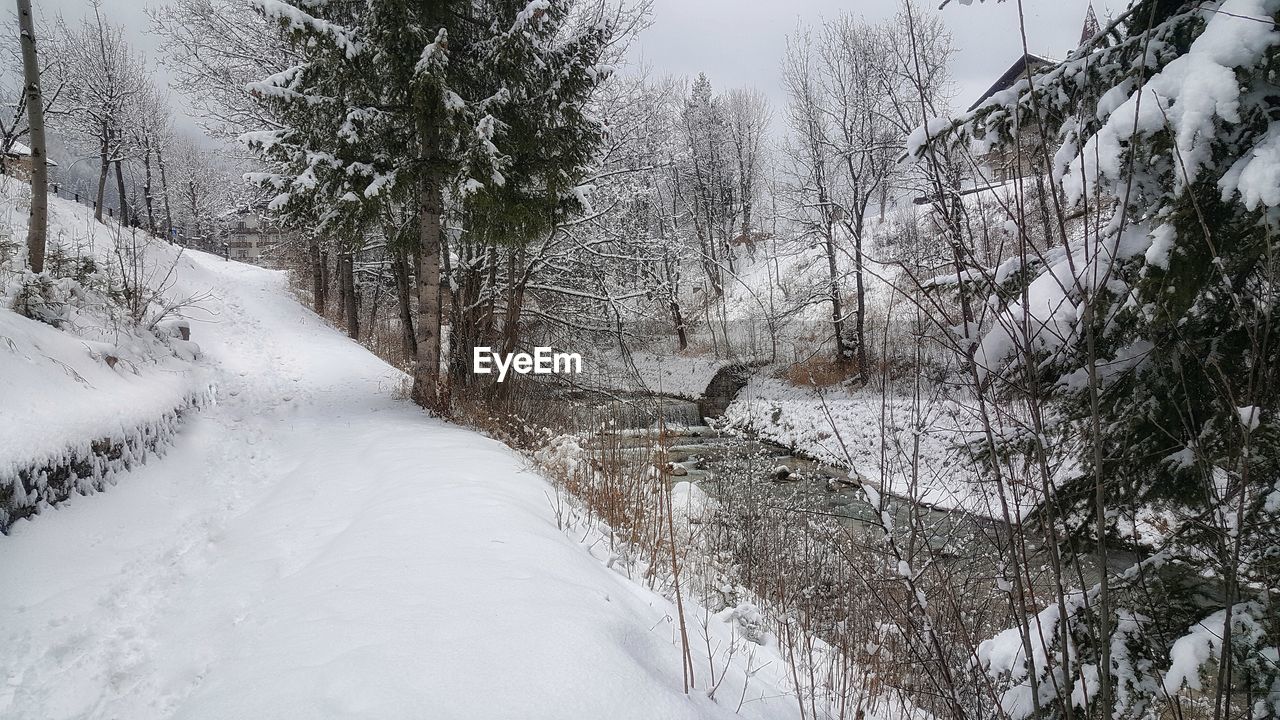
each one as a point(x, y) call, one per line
point(314, 546)
point(878, 437)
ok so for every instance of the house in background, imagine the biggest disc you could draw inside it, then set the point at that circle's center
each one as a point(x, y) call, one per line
point(1025, 157)
point(251, 238)
point(16, 161)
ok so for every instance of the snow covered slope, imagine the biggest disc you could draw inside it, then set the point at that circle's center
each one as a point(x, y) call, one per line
point(315, 547)
point(97, 379)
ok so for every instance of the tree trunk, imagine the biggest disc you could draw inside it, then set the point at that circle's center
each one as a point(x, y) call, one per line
point(426, 371)
point(124, 205)
point(341, 286)
point(673, 297)
point(471, 310)
point(146, 189)
point(195, 231)
point(375, 298)
point(488, 327)
point(317, 276)
point(350, 304)
point(860, 329)
point(164, 190)
point(37, 223)
point(682, 335)
point(515, 302)
point(837, 320)
point(324, 276)
point(954, 214)
point(404, 295)
point(104, 165)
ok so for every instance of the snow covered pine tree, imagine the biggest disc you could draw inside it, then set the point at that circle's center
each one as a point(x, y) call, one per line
point(1154, 327)
point(474, 109)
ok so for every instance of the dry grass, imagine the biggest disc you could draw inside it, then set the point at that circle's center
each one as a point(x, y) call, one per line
point(819, 371)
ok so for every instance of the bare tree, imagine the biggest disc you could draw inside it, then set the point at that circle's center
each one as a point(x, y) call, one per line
point(748, 115)
point(853, 67)
point(214, 49)
point(15, 126)
point(812, 181)
point(151, 130)
point(103, 77)
point(203, 193)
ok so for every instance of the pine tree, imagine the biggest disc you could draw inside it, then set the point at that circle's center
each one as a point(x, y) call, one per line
point(469, 107)
point(1155, 330)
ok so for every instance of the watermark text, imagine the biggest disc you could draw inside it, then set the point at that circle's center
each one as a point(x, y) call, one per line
point(543, 361)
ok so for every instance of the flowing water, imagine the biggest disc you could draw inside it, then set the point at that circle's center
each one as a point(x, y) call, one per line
point(734, 464)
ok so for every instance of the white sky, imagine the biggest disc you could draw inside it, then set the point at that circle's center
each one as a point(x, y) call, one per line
point(740, 43)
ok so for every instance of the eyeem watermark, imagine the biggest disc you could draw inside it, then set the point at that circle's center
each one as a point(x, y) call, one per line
point(543, 361)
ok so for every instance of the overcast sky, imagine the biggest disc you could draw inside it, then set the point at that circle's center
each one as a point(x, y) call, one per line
point(133, 16)
point(740, 43)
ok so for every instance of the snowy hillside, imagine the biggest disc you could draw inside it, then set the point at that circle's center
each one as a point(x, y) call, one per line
point(90, 384)
point(271, 565)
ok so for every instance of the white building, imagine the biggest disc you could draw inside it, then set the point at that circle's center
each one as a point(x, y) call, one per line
point(250, 238)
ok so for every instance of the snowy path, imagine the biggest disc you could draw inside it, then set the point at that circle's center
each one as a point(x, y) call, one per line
point(314, 547)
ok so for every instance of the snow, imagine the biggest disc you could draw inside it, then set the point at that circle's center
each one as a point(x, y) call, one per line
point(1162, 242)
point(1006, 655)
point(381, 181)
point(795, 417)
point(58, 388)
point(433, 57)
point(1256, 175)
point(535, 10)
point(298, 20)
point(94, 378)
point(314, 546)
point(1250, 416)
point(1189, 95)
point(920, 136)
point(690, 503)
point(1191, 651)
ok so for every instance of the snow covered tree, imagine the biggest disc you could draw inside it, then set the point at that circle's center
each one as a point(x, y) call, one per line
point(709, 181)
point(213, 49)
point(476, 104)
point(812, 175)
point(15, 127)
point(197, 191)
point(1153, 327)
point(151, 130)
point(747, 116)
point(855, 69)
point(102, 77)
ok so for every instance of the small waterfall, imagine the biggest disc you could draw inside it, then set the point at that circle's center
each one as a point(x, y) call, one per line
point(676, 411)
point(644, 412)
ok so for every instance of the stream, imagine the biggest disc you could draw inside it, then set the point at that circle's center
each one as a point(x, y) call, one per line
point(724, 463)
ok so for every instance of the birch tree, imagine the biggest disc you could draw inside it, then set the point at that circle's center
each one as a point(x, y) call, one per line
point(37, 223)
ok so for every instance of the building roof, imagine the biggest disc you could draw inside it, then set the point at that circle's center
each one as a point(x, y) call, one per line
point(20, 150)
point(1016, 71)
